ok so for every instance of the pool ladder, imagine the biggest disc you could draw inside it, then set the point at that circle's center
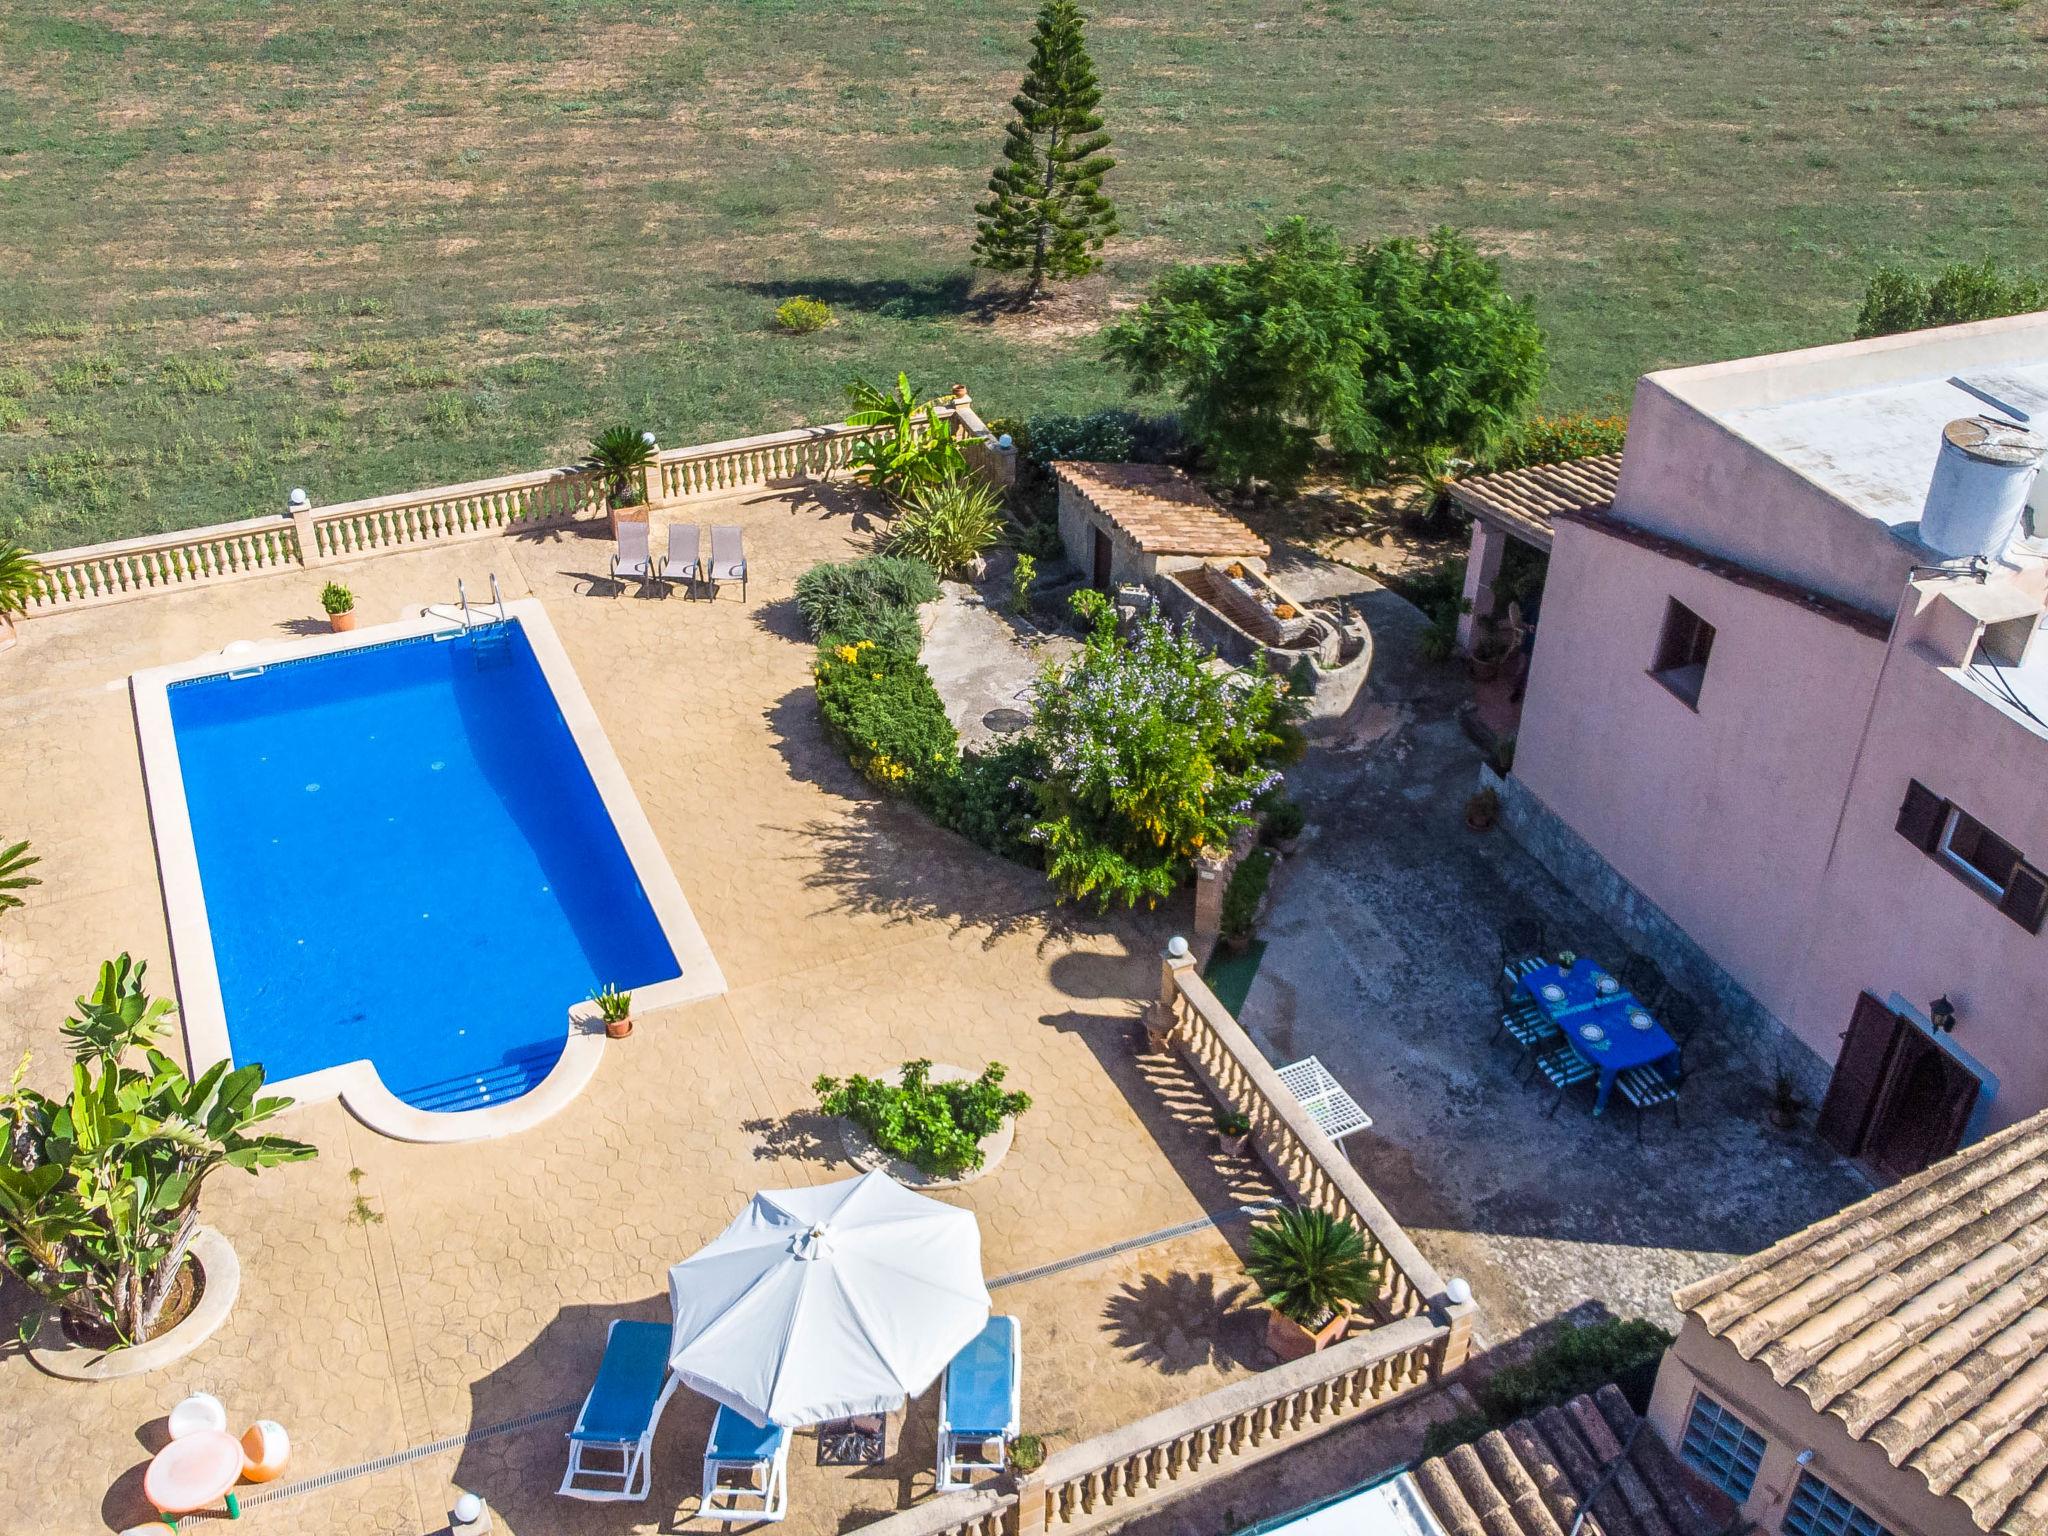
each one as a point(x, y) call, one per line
point(490, 638)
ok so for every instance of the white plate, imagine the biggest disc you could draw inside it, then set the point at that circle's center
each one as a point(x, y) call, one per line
point(1552, 992)
point(1606, 985)
point(1640, 1019)
point(1592, 1032)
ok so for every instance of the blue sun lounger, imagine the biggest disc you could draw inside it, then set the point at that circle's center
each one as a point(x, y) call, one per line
point(608, 1448)
point(746, 1470)
point(980, 1404)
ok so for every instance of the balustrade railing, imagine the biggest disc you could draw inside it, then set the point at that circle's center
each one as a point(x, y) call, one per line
point(1421, 1333)
point(168, 562)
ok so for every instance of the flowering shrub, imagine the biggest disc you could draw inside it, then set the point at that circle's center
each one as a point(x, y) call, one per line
point(937, 1126)
point(800, 316)
point(880, 707)
point(1149, 756)
point(1560, 439)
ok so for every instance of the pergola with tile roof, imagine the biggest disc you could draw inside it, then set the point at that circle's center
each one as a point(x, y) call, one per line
point(1520, 504)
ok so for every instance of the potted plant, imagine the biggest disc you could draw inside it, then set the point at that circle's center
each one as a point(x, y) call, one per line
point(1027, 1453)
point(1282, 825)
point(1786, 1101)
point(619, 456)
point(616, 1009)
point(340, 604)
point(1241, 898)
point(1312, 1268)
point(1233, 1131)
point(1482, 810)
point(1489, 653)
point(19, 581)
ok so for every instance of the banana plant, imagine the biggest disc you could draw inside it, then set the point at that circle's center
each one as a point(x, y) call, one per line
point(13, 860)
point(915, 446)
point(99, 1190)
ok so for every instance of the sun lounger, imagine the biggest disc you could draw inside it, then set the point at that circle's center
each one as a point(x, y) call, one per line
point(728, 559)
point(746, 1470)
point(608, 1448)
point(979, 1404)
point(684, 565)
point(631, 561)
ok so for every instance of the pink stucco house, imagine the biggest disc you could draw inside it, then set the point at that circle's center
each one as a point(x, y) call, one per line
point(1794, 741)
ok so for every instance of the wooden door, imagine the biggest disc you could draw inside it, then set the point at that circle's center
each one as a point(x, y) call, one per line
point(1923, 1109)
point(1103, 561)
point(1851, 1102)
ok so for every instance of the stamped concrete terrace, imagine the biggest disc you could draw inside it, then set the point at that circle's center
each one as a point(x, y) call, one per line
point(446, 1305)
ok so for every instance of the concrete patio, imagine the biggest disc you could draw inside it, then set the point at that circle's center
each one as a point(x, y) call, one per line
point(455, 1320)
point(1382, 944)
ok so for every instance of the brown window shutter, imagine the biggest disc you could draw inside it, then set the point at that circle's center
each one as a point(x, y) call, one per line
point(1867, 1047)
point(1921, 816)
point(2026, 897)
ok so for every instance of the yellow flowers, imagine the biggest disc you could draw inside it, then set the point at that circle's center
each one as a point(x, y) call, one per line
point(851, 653)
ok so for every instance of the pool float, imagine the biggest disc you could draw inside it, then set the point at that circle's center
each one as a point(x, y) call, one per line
point(265, 1448)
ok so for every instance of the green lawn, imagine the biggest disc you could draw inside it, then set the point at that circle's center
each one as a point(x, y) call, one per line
point(360, 246)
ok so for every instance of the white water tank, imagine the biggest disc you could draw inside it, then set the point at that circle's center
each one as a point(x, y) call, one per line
point(1978, 497)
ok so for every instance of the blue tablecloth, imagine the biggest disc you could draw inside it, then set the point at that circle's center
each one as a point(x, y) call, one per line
point(1600, 1026)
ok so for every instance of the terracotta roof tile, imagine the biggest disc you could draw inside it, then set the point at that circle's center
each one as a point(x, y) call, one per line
point(1524, 501)
point(1919, 1318)
point(1533, 1478)
point(1160, 509)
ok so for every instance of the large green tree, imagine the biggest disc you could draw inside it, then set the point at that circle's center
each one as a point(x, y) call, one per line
point(1402, 352)
point(1045, 214)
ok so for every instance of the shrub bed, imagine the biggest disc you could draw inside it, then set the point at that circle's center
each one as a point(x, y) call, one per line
point(937, 1127)
point(1625, 1351)
point(870, 599)
point(880, 707)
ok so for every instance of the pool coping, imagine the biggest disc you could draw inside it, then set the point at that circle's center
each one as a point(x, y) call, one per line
point(356, 1083)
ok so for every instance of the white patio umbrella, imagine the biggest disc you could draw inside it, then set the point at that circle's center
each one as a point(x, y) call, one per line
point(829, 1302)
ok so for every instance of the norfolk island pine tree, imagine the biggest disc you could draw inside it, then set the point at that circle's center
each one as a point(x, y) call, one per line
point(1045, 214)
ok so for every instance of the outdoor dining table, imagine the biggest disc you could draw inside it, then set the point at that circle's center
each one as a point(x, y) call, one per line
point(1602, 1020)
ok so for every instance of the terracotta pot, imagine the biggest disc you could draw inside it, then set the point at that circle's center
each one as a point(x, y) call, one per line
point(1238, 943)
point(1784, 1119)
point(1480, 821)
point(342, 623)
point(1290, 1341)
point(618, 1029)
point(1482, 671)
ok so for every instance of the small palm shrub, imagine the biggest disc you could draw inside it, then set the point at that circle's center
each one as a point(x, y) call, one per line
point(853, 601)
point(802, 315)
point(20, 579)
point(946, 523)
point(1307, 1263)
point(880, 708)
point(620, 455)
point(937, 1127)
point(14, 860)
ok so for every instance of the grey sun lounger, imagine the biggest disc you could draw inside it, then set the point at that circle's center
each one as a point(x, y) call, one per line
point(684, 565)
point(728, 559)
point(631, 560)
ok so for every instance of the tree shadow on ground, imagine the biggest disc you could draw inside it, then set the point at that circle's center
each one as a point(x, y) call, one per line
point(895, 298)
point(784, 620)
point(1182, 1322)
point(804, 1135)
point(889, 860)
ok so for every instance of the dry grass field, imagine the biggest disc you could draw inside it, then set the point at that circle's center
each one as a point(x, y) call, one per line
point(359, 245)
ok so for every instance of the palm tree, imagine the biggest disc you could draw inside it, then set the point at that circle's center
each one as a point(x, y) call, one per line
point(20, 579)
point(1308, 1263)
point(12, 862)
point(620, 454)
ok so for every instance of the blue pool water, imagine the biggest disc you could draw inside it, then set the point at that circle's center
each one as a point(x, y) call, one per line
point(405, 862)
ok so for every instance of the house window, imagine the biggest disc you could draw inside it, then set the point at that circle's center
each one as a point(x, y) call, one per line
point(1722, 1448)
point(1682, 652)
point(1977, 852)
point(1817, 1510)
point(1974, 854)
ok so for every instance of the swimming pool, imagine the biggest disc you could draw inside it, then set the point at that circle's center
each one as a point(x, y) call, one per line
point(404, 862)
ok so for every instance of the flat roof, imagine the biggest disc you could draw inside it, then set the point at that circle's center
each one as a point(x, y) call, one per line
point(1863, 420)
